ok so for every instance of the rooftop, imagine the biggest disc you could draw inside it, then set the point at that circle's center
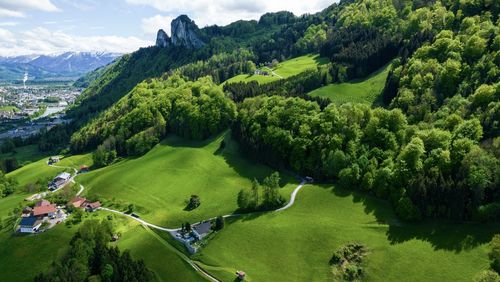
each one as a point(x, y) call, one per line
point(44, 210)
point(29, 221)
point(64, 176)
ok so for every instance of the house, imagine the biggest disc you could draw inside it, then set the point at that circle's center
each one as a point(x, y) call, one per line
point(78, 202)
point(53, 160)
point(45, 211)
point(29, 224)
point(90, 207)
point(59, 181)
point(202, 229)
point(62, 176)
point(42, 203)
point(261, 72)
point(27, 211)
point(84, 169)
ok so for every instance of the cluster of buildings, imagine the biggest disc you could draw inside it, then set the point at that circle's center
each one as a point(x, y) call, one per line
point(43, 211)
point(79, 202)
point(261, 72)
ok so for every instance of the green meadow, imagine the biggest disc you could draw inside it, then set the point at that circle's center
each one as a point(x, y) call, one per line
point(284, 69)
point(39, 170)
point(160, 183)
point(365, 91)
point(297, 244)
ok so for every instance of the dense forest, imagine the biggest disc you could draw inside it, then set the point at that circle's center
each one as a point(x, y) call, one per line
point(140, 120)
point(90, 258)
point(433, 152)
point(430, 172)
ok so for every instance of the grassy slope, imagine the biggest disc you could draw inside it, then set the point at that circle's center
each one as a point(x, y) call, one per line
point(160, 183)
point(366, 91)
point(285, 69)
point(297, 244)
point(40, 170)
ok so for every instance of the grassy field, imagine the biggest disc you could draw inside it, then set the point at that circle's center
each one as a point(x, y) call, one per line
point(297, 244)
point(161, 182)
point(366, 91)
point(284, 69)
point(39, 170)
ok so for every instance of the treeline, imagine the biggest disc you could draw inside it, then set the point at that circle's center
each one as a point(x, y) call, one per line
point(141, 119)
point(89, 258)
point(424, 172)
point(261, 197)
point(220, 67)
point(7, 185)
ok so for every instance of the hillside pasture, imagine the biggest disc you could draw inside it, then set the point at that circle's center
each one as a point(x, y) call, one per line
point(297, 244)
point(365, 91)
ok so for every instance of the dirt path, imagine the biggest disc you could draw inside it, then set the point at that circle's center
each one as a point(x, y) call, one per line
point(274, 73)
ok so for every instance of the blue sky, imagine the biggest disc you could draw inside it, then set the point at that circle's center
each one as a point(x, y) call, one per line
point(53, 26)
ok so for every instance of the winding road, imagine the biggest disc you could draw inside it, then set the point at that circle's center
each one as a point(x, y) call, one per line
point(173, 231)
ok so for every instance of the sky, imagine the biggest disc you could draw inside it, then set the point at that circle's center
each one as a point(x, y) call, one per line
point(121, 26)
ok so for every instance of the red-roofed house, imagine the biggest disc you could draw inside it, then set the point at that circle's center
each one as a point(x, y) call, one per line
point(78, 202)
point(43, 211)
point(42, 203)
point(93, 206)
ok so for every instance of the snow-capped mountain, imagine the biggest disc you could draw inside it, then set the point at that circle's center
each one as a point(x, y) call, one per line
point(68, 64)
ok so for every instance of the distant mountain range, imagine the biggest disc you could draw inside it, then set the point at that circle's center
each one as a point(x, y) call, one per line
point(58, 66)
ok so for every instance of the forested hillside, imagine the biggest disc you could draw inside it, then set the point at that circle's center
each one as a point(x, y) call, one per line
point(433, 152)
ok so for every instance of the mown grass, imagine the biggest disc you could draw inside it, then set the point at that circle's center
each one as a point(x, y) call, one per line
point(160, 183)
point(365, 91)
point(297, 244)
point(284, 69)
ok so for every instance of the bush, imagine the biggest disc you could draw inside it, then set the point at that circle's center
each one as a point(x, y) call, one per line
point(193, 202)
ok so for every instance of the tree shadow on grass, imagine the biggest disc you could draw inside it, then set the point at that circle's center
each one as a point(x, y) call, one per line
point(441, 234)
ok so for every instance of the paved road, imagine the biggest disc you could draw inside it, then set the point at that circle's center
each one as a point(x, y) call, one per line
point(170, 230)
point(292, 198)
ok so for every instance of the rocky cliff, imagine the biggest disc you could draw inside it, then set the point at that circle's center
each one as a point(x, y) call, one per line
point(184, 33)
point(162, 39)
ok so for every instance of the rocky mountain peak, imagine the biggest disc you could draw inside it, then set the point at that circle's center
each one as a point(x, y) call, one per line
point(162, 39)
point(186, 33)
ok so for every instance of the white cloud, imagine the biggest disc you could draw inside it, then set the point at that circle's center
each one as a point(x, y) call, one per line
point(43, 41)
point(8, 23)
point(5, 13)
point(222, 12)
point(22, 5)
point(152, 25)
